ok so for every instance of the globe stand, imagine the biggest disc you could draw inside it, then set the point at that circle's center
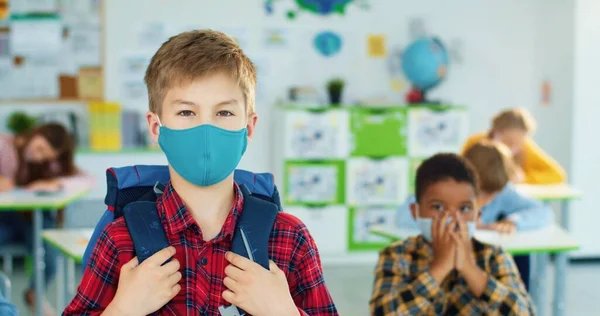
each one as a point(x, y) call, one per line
point(416, 97)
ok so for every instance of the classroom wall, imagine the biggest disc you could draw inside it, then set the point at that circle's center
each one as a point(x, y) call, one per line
point(585, 170)
point(554, 62)
point(497, 41)
point(506, 48)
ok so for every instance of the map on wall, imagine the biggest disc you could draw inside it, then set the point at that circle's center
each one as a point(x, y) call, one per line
point(318, 7)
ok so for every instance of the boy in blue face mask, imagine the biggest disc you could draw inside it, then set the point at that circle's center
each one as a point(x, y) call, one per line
point(201, 89)
point(444, 271)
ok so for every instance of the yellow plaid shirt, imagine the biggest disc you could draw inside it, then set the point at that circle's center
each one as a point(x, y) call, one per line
point(404, 286)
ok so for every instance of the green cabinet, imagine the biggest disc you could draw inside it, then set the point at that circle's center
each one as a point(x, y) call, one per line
point(378, 132)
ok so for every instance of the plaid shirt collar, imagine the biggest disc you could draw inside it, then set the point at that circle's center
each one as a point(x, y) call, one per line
point(178, 218)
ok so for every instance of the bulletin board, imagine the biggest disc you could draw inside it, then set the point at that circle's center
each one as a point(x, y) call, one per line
point(51, 50)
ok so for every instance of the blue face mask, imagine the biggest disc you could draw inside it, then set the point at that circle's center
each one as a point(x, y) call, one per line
point(425, 227)
point(203, 155)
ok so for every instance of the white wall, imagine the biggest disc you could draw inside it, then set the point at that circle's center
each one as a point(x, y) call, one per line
point(554, 53)
point(585, 169)
point(508, 47)
point(498, 40)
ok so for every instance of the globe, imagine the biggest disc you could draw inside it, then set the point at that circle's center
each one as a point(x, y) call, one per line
point(328, 43)
point(425, 63)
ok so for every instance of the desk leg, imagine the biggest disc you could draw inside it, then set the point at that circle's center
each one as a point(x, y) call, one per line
point(560, 282)
point(60, 283)
point(70, 279)
point(560, 269)
point(38, 263)
point(539, 285)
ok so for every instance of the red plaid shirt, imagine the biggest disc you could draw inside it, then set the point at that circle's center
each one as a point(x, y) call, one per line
point(203, 263)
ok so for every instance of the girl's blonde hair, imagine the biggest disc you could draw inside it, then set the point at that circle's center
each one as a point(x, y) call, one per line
point(514, 118)
point(492, 162)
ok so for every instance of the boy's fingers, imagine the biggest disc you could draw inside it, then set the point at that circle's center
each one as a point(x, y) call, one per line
point(241, 262)
point(229, 296)
point(462, 226)
point(174, 278)
point(234, 272)
point(442, 225)
point(274, 268)
point(231, 284)
point(434, 231)
point(160, 257)
point(171, 267)
point(132, 264)
point(176, 289)
point(455, 238)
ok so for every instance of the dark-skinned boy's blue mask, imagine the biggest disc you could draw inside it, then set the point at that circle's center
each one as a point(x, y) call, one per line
point(203, 155)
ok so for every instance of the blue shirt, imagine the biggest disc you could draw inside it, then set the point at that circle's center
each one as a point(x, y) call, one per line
point(6, 308)
point(525, 212)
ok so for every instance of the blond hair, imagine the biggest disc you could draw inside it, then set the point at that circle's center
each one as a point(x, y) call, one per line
point(492, 162)
point(514, 118)
point(191, 55)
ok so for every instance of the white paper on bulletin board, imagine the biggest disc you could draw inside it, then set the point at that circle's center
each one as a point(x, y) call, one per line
point(431, 132)
point(366, 218)
point(312, 184)
point(376, 182)
point(327, 225)
point(316, 135)
point(85, 44)
point(36, 37)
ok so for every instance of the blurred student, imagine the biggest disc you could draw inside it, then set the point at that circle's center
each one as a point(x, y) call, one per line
point(514, 128)
point(444, 270)
point(6, 308)
point(39, 160)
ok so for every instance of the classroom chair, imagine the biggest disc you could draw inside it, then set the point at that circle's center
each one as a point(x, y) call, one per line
point(8, 253)
point(5, 286)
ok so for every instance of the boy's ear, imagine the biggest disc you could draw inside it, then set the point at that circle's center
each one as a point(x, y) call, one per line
point(153, 125)
point(413, 210)
point(251, 126)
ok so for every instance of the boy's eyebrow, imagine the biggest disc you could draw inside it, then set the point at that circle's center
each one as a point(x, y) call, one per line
point(228, 102)
point(186, 102)
point(435, 201)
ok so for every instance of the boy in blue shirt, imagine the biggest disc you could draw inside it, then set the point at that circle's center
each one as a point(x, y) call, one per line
point(6, 308)
point(503, 208)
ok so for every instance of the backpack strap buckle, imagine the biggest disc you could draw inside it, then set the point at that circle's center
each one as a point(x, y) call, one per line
point(231, 310)
point(159, 189)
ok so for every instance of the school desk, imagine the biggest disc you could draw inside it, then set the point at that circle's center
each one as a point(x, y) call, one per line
point(562, 193)
point(71, 244)
point(20, 200)
point(550, 240)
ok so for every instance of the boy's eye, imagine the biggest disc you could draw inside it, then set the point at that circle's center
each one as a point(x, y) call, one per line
point(466, 208)
point(186, 113)
point(437, 207)
point(224, 113)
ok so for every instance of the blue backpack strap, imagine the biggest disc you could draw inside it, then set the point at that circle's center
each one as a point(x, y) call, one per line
point(253, 229)
point(261, 185)
point(145, 228)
